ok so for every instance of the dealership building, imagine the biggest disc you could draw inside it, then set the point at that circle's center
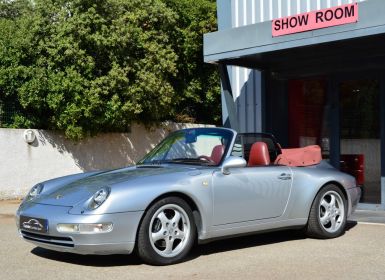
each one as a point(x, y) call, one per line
point(310, 72)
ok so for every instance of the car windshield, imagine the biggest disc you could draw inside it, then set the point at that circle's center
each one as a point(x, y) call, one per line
point(199, 146)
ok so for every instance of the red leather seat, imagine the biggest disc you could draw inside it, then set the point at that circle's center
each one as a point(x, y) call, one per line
point(217, 153)
point(259, 154)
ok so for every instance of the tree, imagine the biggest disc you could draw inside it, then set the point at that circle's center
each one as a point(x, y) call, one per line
point(87, 66)
point(197, 83)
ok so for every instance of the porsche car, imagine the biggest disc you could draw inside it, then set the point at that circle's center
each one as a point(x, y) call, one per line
point(197, 185)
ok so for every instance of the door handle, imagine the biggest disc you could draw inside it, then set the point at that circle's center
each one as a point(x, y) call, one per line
point(284, 176)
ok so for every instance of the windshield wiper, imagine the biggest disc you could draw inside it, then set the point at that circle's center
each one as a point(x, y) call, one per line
point(188, 161)
point(152, 162)
point(178, 160)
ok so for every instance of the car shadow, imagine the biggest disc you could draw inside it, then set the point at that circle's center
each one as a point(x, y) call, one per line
point(254, 240)
point(243, 242)
point(224, 245)
point(350, 225)
point(87, 260)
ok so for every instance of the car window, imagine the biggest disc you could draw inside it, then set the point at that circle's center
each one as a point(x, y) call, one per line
point(203, 146)
point(243, 143)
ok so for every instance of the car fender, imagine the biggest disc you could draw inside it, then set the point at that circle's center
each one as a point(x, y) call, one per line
point(307, 182)
point(127, 197)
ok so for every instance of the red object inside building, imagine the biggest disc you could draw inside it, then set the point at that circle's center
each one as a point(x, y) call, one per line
point(354, 165)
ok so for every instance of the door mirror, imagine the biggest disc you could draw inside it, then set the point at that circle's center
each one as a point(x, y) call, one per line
point(232, 162)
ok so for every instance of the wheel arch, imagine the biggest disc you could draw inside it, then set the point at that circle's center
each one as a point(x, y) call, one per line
point(338, 185)
point(194, 207)
point(313, 227)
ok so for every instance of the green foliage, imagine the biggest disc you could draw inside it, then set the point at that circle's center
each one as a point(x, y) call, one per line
point(197, 83)
point(85, 66)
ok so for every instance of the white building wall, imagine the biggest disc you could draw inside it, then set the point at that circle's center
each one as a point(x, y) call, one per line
point(246, 83)
point(52, 155)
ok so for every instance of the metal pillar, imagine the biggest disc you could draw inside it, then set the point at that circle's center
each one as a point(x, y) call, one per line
point(228, 104)
point(382, 135)
point(334, 122)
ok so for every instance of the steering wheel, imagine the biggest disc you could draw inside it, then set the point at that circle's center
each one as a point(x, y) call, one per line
point(206, 158)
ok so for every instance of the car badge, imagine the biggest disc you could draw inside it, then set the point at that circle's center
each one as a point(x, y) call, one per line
point(59, 196)
point(205, 183)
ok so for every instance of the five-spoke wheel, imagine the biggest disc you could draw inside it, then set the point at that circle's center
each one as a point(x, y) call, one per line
point(327, 217)
point(332, 211)
point(167, 232)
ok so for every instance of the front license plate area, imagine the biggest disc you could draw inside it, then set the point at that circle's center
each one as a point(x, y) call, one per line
point(33, 224)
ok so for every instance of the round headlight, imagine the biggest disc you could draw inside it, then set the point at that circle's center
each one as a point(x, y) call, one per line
point(99, 197)
point(34, 192)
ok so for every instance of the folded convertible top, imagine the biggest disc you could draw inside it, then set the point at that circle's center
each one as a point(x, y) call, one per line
point(309, 155)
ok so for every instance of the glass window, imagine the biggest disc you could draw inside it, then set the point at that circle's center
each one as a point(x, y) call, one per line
point(308, 112)
point(204, 146)
point(244, 141)
point(360, 135)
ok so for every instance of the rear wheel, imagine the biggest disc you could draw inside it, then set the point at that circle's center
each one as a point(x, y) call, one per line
point(167, 232)
point(327, 218)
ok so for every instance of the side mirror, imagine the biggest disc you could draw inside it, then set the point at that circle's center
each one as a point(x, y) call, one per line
point(232, 162)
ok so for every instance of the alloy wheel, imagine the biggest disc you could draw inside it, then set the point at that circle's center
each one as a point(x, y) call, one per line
point(331, 211)
point(169, 230)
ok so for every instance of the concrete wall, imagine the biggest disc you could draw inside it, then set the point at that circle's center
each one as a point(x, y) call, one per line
point(52, 155)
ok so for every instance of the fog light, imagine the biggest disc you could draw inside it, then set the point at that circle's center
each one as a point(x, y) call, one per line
point(89, 228)
point(84, 228)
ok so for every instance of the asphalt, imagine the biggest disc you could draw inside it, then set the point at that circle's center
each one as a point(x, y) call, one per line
point(358, 254)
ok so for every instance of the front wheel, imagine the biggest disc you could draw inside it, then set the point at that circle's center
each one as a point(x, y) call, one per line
point(167, 232)
point(327, 218)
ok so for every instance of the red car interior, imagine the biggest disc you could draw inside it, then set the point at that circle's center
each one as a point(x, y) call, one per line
point(259, 154)
point(217, 153)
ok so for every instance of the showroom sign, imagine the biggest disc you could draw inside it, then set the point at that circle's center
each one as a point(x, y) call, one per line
point(315, 20)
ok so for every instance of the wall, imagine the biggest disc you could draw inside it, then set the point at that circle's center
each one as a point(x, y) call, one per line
point(246, 12)
point(52, 155)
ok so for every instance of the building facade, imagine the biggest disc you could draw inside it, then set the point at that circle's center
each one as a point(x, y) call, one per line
point(310, 72)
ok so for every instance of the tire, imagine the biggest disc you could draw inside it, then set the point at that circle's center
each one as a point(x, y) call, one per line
point(167, 232)
point(327, 218)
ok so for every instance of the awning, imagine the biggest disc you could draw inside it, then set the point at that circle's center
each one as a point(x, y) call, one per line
point(357, 45)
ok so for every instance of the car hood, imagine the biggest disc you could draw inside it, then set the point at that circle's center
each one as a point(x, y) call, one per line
point(80, 190)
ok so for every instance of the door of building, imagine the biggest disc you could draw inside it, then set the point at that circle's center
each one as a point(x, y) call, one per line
point(360, 143)
point(343, 117)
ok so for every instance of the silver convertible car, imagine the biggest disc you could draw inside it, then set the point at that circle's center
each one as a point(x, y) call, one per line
point(197, 185)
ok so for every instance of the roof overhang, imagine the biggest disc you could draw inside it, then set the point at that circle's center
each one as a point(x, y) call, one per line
point(320, 51)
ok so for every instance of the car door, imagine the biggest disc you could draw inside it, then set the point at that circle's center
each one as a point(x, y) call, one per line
point(250, 193)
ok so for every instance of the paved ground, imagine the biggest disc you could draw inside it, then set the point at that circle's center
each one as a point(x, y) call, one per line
point(358, 254)
point(364, 216)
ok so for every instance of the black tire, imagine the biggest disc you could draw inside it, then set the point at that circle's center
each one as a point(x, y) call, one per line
point(171, 220)
point(327, 218)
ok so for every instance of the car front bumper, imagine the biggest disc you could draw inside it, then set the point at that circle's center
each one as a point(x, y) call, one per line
point(120, 240)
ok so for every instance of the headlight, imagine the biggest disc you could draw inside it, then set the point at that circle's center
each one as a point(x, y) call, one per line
point(99, 197)
point(34, 192)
